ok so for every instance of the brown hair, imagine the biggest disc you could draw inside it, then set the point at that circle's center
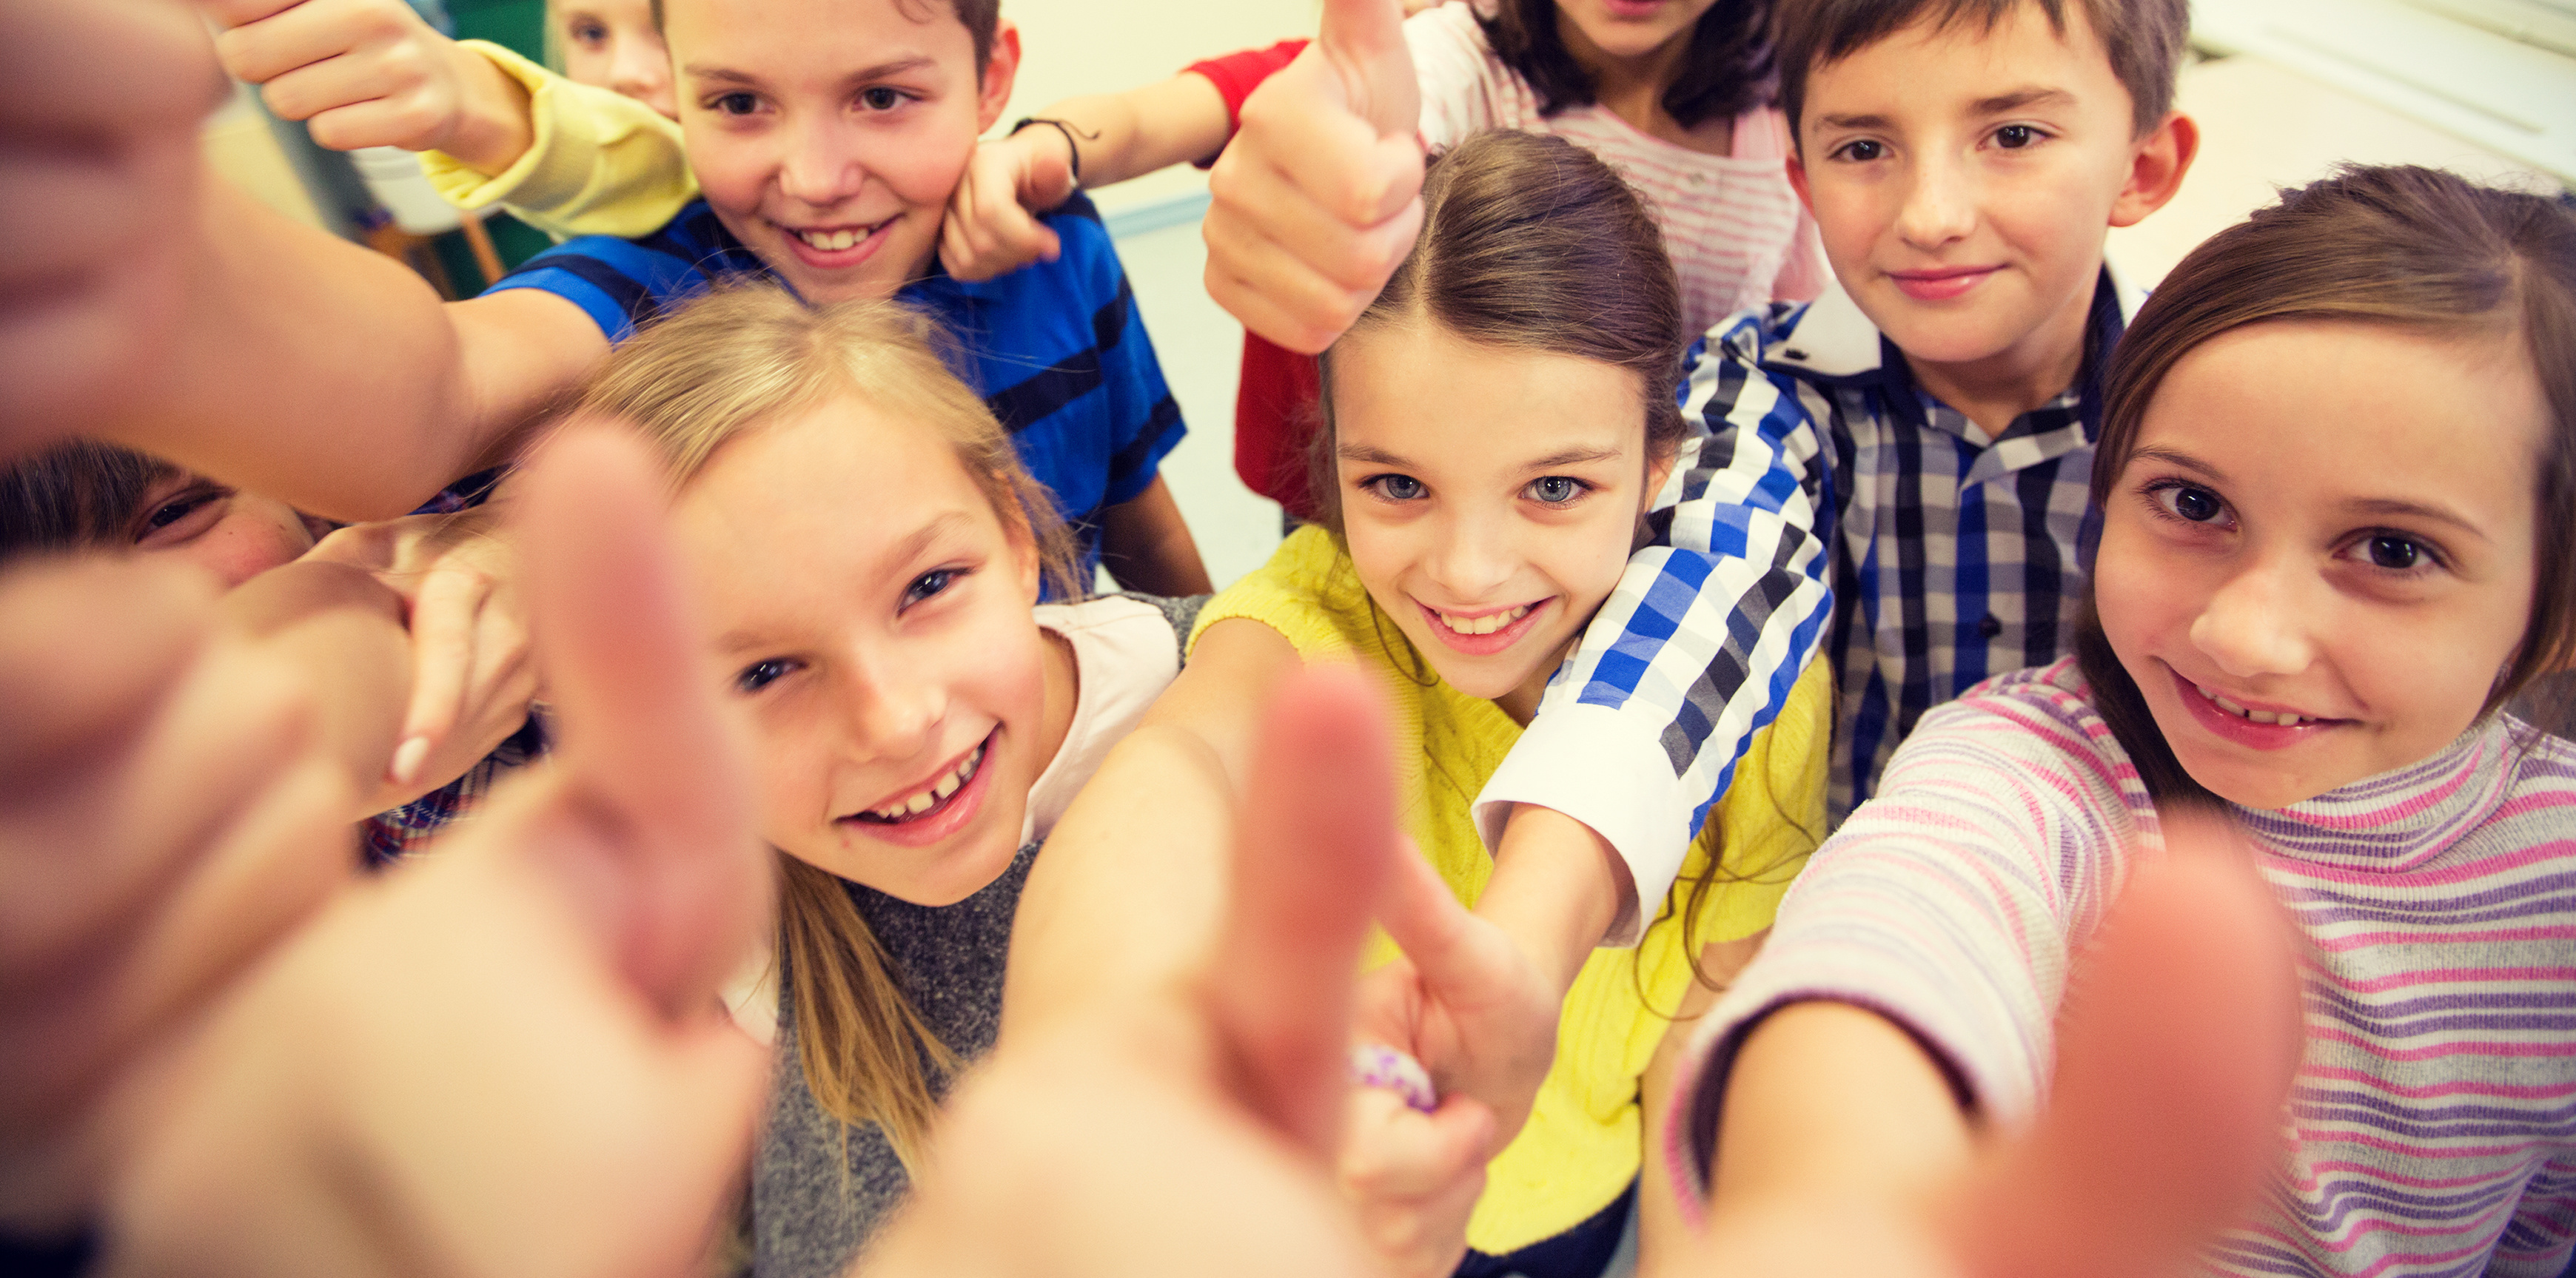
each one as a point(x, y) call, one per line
point(981, 19)
point(1725, 71)
point(720, 368)
point(73, 495)
point(2144, 39)
point(1531, 243)
point(2411, 247)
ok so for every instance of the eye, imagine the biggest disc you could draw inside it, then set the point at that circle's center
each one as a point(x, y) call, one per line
point(1395, 487)
point(2013, 137)
point(2395, 552)
point(181, 519)
point(1861, 150)
point(2188, 502)
point(880, 98)
point(735, 103)
point(1557, 490)
point(761, 674)
point(930, 585)
point(589, 33)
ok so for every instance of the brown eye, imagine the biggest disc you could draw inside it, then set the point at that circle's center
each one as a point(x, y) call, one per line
point(2394, 552)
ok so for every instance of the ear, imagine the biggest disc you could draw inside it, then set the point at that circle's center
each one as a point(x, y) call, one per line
point(1657, 471)
point(2156, 169)
point(1026, 563)
point(1001, 69)
point(1798, 179)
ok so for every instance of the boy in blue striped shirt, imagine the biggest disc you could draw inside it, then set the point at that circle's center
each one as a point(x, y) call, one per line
point(826, 137)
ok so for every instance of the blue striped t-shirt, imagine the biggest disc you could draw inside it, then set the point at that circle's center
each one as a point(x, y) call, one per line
point(1057, 349)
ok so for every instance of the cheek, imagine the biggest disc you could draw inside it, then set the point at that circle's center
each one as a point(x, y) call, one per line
point(2142, 594)
point(733, 169)
point(923, 163)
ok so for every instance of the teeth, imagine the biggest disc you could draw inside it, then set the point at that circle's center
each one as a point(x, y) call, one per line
point(1484, 625)
point(832, 241)
point(929, 797)
point(2255, 716)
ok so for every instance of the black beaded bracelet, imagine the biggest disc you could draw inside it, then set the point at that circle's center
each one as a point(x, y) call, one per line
point(1072, 147)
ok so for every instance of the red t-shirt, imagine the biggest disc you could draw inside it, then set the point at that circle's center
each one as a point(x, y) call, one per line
point(1277, 405)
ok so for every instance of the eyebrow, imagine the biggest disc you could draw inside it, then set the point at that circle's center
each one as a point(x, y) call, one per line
point(2024, 98)
point(1370, 456)
point(880, 71)
point(893, 561)
point(2185, 460)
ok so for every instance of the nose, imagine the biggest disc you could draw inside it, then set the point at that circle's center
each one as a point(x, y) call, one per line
point(822, 168)
point(641, 70)
point(1940, 203)
point(2254, 624)
point(1470, 559)
point(893, 711)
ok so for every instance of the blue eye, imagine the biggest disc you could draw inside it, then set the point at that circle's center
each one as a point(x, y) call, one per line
point(761, 674)
point(930, 585)
point(1396, 487)
point(1557, 490)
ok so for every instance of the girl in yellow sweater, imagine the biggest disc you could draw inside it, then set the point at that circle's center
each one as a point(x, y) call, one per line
point(1497, 425)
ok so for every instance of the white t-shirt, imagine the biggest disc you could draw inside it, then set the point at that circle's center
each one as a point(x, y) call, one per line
point(1738, 235)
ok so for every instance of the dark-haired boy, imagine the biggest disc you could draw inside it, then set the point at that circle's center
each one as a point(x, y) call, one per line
point(826, 137)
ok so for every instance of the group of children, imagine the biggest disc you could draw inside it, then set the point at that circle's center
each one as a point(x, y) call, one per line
point(1803, 584)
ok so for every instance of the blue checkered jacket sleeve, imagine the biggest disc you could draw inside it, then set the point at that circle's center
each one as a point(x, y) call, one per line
point(1696, 650)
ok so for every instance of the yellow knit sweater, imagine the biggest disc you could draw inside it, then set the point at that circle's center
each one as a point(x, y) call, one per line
point(1583, 1142)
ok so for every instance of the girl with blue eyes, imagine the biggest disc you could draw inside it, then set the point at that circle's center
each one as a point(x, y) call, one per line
point(1496, 426)
point(867, 551)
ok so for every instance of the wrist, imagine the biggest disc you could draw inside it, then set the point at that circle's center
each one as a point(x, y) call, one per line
point(493, 126)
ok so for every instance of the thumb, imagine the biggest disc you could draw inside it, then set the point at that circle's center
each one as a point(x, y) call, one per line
point(1364, 42)
point(2178, 1041)
point(1315, 841)
point(1454, 951)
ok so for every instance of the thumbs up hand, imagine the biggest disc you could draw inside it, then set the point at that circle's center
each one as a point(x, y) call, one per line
point(1319, 196)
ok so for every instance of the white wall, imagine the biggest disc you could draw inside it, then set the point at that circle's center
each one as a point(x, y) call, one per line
point(1072, 47)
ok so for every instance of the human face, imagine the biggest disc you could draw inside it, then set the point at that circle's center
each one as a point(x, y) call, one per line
point(827, 135)
point(1963, 181)
point(613, 45)
point(1626, 30)
point(1490, 497)
point(2331, 521)
point(873, 612)
point(230, 533)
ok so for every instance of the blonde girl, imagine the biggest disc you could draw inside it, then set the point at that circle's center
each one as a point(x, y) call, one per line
point(866, 550)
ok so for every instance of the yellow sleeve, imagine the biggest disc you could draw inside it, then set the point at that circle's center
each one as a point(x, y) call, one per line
point(1309, 593)
point(602, 163)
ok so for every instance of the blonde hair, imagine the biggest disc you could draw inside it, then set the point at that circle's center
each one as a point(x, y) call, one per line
point(726, 365)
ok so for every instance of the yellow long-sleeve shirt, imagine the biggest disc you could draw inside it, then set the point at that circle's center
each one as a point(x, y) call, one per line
point(1584, 1140)
point(601, 163)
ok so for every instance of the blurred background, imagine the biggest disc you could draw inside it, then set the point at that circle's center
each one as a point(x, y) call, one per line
point(2283, 91)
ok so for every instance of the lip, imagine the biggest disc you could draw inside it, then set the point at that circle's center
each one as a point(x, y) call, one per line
point(1942, 283)
point(950, 815)
point(1633, 9)
point(1483, 645)
point(837, 259)
point(2246, 732)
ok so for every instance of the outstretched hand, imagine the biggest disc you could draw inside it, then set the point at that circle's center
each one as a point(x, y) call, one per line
point(1147, 1138)
point(506, 1059)
point(992, 227)
point(1319, 195)
point(363, 73)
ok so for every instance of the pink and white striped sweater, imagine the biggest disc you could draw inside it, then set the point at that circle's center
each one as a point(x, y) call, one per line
point(2435, 1111)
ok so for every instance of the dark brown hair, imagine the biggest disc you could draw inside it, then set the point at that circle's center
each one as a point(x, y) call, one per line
point(2410, 247)
point(2144, 39)
point(981, 19)
point(1531, 243)
point(1725, 71)
point(73, 495)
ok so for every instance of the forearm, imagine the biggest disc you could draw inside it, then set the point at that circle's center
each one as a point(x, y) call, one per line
point(307, 368)
point(342, 631)
point(1828, 1105)
point(1147, 546)
point(1125, 135)
point(1556, 889)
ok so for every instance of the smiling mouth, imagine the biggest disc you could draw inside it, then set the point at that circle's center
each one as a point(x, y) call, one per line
point(834, 239)
point(1484, 625)
point(2283, 718)
point(932, 799)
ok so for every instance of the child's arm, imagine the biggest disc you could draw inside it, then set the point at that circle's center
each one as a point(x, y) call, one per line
point(1145, 545)
point(497, 128)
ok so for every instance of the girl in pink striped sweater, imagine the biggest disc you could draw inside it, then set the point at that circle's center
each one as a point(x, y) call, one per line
point(2338, 488)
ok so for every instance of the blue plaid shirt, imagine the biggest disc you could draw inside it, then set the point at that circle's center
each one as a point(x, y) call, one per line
point(1954, 557)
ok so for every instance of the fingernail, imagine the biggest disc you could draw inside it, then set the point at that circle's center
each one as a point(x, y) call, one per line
point(413, 752)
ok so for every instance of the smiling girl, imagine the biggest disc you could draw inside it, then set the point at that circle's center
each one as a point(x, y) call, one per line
point(866, 550)
point(2338, 484)
point(1498, 423)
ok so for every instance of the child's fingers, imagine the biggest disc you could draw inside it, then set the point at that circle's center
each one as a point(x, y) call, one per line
point(1433, 929)
point(2179, 1036)
point(235, 13)
point(642, 740)
point(444, 618)
point(104, 67)
point(1338, 159)
point(1275, 291)
point(1314, 841)
point(312, 34)
point(1394, 1152)
point(1364, 41)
